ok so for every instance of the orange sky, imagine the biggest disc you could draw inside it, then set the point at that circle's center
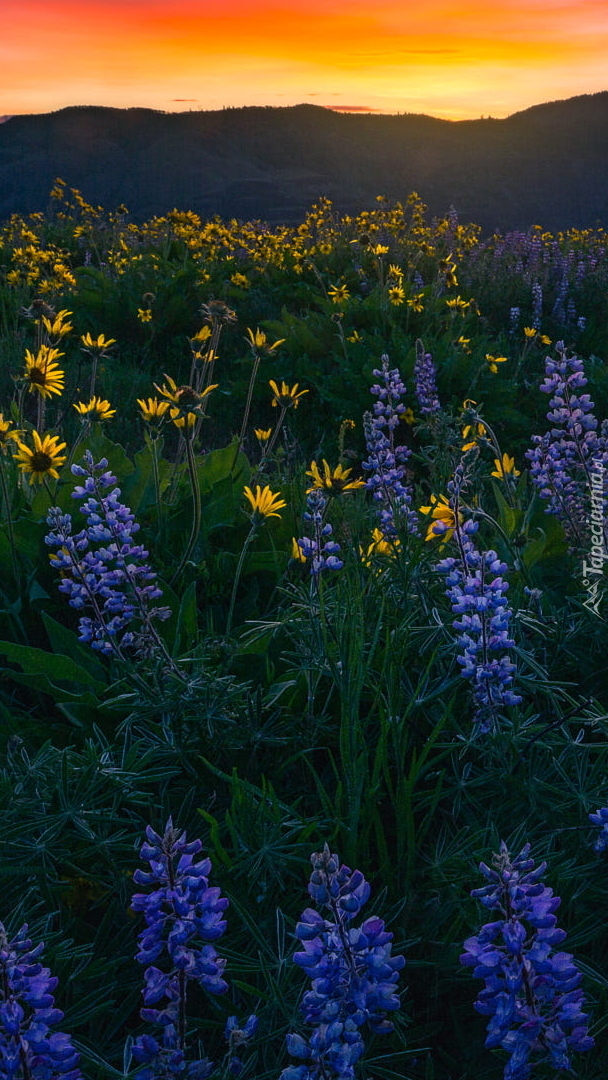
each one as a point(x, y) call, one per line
point(448, 59)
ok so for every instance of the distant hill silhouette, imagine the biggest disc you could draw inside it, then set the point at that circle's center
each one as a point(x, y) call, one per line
point(547, 165)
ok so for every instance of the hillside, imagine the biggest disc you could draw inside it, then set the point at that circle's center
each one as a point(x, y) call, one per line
point(545, 165)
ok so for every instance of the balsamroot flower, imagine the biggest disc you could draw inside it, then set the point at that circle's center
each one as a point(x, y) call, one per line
point(531, 992)
point(333, 481)
point(183, 915)
point(42, 374)
point(353, 975)
point(96, 409)
point(29, 1050)
point(43, 460)
point(264, 503)
point(287, 397)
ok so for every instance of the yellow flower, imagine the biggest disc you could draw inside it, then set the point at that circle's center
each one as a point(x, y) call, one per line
point(182, 419)
point(458, 305)
point(144, 315)
point(505, 469)
point(296, 551)
point(493, 361)
point(96, 409)
point(334, 481)
point(257, 341)
point(201, 336)
point(186, 398)
point(43, 460)
point(444, 519)
point(379, 546)
point(264, 503)
point(57, 326)
point(97, 344)
point(152, 410)
point(262, 434)
point(288, 396)
point(415, 302)
point(240, 280)
point(409, 417)
point(464, 343)
point(354, 337)
point(530, 332)
point(42, 373)
point(8, 434)
point(338, 293)
point(396, 294)
point(395, 271)
point(544, 340)
point(379, 249)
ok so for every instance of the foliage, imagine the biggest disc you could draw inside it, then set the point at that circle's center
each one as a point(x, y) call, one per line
point(333, 604)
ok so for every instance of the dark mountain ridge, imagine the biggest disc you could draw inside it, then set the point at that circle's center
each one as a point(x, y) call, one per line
point(546, 165)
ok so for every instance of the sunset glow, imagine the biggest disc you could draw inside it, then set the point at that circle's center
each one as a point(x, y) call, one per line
point(445, 59)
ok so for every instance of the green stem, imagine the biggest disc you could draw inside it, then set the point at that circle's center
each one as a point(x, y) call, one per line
point(196, 504)
point(9, 524)
point(237, 577)
point(239, 444)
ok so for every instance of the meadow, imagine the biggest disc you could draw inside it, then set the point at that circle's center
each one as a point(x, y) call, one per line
point(302, 629)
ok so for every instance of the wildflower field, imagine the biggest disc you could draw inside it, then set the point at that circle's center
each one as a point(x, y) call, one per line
point(303, 694)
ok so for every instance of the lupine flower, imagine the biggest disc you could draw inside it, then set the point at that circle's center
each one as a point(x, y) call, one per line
point(562, 460)
point(43, 460)
point(237, 1037)
point(425, 380)
point(101, 567)
point(183, 915)
point(29, 1050)
point(385, 461)
point(353, 975)
point(600, 817)
point(531, 992)
point(477, 592)
point(319, 549)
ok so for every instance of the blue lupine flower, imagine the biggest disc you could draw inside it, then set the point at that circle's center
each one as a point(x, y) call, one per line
point(29, 1050)
point(477, 591)
point(563, 460)
point(321, 551)
point(531, 992)
point(181, 913)
point(600, 817)
point(353, 975)
point(425, 381)
point(238, 1037)
point(112, 580)
point(385, 461)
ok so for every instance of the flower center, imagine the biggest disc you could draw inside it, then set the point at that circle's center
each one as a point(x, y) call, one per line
point(41, 462)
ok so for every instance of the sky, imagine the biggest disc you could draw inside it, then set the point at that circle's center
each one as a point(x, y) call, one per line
point(446, 59)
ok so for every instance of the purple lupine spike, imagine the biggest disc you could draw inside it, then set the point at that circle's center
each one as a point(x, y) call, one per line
point(566, 462)
point(600, 817)
point(531, 992)
point(111, 579)
point(425, 380)
point(385, 461)
point(320, 549)
point(353, 975)
point(29, 1050)
point(477, 590)
point(183, 914)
